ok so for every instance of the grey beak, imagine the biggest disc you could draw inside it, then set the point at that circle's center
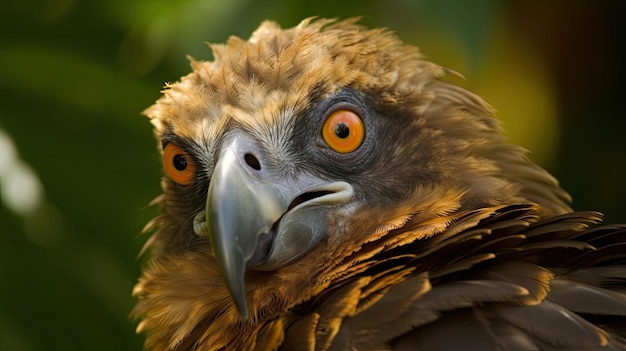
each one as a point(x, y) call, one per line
point(258, 218)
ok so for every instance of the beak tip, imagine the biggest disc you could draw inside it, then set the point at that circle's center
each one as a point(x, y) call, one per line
point(234, 273)
point(236, 286)
point(241, 307)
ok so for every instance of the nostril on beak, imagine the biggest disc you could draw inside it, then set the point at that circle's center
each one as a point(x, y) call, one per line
point(252, 161)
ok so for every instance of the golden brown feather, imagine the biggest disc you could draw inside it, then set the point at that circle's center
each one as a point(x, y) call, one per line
point(454, 239)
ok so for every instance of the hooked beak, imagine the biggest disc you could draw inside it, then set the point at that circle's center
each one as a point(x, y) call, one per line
point(259, 218)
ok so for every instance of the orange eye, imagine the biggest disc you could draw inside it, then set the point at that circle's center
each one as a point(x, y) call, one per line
point(343, 131)
point(178, 164)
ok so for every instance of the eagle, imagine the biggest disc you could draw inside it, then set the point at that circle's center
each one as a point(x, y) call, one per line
point(328, 188)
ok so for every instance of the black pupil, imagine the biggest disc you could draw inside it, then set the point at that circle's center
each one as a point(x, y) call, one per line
point(180, 163)
point(342, 130)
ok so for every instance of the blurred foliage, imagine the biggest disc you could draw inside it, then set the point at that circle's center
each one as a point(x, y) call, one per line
point(75, 75)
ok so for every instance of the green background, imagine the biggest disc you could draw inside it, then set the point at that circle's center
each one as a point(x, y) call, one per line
point(75, 75)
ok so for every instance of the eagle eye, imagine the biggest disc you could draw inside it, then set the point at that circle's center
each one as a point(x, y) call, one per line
point(343, 131)
point(178, 164)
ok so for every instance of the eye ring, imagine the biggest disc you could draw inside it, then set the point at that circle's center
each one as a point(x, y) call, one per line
point(343, 131)
point(178, 165)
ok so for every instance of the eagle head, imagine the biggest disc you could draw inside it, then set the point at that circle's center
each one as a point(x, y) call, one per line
point(293, 151)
